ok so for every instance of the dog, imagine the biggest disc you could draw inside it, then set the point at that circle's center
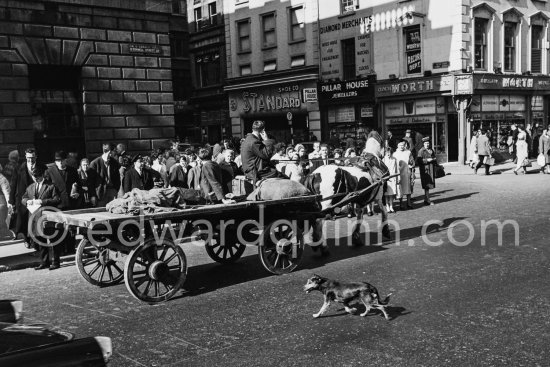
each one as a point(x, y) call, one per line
point(347, 293)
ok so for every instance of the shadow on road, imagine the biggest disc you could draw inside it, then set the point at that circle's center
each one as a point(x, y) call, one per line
point(456, 197)
point(393, 312)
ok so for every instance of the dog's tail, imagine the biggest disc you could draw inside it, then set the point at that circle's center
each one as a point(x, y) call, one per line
point(385, 301)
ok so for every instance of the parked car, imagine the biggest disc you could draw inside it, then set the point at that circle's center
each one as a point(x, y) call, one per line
point(41, 345)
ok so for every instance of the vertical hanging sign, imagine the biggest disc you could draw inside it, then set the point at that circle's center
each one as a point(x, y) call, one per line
point(413, 49)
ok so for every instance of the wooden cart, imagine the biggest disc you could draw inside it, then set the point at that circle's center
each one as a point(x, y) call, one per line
point(146, 250)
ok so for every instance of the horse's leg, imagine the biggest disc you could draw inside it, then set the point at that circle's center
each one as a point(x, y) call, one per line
point(355, 233)
point(384, 213)
point(317, 237)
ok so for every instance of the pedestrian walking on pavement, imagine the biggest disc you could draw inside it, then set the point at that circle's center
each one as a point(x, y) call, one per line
point(522, 150)
point(426, 162)
point(391, 184)
point(544, 149)
point(483, 151)
point(405, 165)
point(474, 158)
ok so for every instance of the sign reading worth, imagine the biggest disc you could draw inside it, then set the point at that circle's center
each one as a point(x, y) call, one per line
point(136, 48)
point(415, 86)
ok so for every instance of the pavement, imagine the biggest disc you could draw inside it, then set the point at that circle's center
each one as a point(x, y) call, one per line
point(463, 294)
point(15, 256)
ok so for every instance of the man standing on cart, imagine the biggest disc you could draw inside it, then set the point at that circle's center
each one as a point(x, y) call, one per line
point(256, 152)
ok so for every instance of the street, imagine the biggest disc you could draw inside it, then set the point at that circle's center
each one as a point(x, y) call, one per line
point(454, 303)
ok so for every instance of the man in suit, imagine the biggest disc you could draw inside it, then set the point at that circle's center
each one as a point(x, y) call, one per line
point(42, 194)
point(322, 160)
point(65, 180)
point(21, 179)
point(108, 175)
point(139, 176)
point(256, 152)
point(206, 176)
point(483, 149)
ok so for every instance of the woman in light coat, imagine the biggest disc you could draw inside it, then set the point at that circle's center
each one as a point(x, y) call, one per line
point(473, 147)
point(391, 184)
point(522, 150)
point(544, 149)
point(405, 164)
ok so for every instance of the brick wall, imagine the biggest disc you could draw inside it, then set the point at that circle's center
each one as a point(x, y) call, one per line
point(127, 97)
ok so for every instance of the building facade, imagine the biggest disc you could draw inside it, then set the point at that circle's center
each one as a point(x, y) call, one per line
point(209, 121)
point(273, 67)
point(74, 76)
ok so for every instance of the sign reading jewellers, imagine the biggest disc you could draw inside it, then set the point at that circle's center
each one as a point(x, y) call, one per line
point(350, 89)
point(512, 82)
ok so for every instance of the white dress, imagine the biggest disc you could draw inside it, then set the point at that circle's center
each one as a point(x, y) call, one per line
point(391, 185)
point(473, 144)
point(403, 159)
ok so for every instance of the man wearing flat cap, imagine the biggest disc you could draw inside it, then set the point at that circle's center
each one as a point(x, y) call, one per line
point(409, 140)
point(138, 176)
point(42, 194)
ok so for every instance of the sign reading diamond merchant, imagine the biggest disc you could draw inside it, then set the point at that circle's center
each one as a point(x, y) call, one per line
point(330, 92)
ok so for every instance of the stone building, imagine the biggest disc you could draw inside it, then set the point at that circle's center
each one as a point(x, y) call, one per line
point(73, 75)
point(273, 67)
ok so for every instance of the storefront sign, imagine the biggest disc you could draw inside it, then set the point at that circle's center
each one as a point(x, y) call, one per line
point(364, 22)
point(309, 95)
point(392, 109)
point(517, 103)
point(490, 103)
point(537, 103)
point(425, 106)
point(411, 120)
point(254, 102)
point(441, 65)
point(367, 112)
point(136, 48)
point(330, 92)
point(413, 50)
point(518, 82)
point(414, 86)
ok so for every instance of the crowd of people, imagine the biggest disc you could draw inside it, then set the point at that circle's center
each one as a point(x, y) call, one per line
point(520, 144)
point(75, 183)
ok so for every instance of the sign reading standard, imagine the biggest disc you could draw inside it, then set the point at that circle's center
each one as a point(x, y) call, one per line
point(345, 90)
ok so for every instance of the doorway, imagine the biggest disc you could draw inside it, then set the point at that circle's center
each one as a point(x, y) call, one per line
point(452, 137)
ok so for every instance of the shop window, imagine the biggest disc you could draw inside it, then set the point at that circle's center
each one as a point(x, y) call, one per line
point(297, 24)
point(207, 67)
point(270, 65)
point(481, 27)
point(510, 29)
point(243, 33)
point(296, 61)
point(245, 70)
point(348, 58)
point(413, 49)
point(269, 36)
point(537, 38)
point(347, 6)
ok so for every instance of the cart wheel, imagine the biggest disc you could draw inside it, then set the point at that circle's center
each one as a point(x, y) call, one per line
point(155, 272)
point(229, 251)
point(99, 265)
point(281, 247)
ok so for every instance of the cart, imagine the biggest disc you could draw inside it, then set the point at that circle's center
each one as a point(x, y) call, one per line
point(147, 250)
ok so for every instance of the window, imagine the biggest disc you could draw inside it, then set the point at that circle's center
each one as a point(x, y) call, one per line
point(348, 58)
point(178, 44)
point(299, 60)
point(270, 65)
point(212, 14)
point(413, 49)
point(207, 69)
point(243, 32)
point(297, 24)
point(480, 43)
point(246, 70)
point(510, 46)
point(347, 6)
point(269, 37)
point(198, 14)
point(179, 7)
point(537, 37)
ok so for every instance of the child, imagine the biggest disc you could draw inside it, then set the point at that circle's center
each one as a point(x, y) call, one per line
point(391, 185)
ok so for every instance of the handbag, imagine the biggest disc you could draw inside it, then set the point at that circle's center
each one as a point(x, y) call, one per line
point(488, 160)
point(526, 163)
point(541, 160)
point(439, 171)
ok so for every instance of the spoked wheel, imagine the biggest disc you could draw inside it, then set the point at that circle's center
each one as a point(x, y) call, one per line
point(155, 272)
point(229, 249)
point(100, 266)
point(281, 246)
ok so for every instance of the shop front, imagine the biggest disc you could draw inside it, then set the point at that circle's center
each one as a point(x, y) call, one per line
point(500, 101)
point(290, 110)
point(423, 105)
point(347, 108)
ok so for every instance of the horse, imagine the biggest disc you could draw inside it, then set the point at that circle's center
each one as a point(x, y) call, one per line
point(332, 182)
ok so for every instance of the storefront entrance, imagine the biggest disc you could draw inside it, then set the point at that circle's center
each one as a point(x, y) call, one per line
point(452, 137)
point(278, 127)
